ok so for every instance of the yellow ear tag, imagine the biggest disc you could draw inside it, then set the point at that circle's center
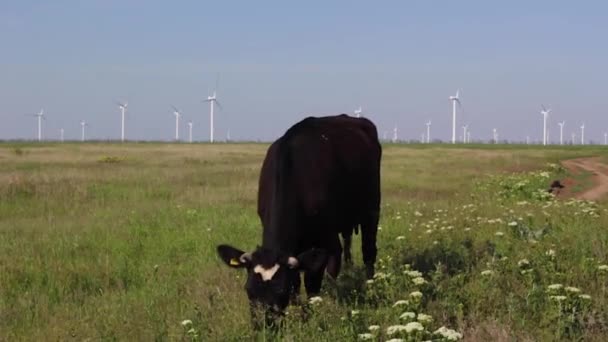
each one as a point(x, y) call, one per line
point(234, 262)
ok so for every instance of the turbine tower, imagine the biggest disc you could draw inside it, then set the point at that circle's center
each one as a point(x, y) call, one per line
point(605, 138)
point(428, 132)
point(358, 112)
point(573, 137)
point(83, 124)
point(123, 109)
point(454, 99)
point(190, 129)
point(545, 112)
point(464, 133)
point(40, 116)
point(583, 134)
point(495, 135)
point(561, 132)
point(212, 99)
point(395, 136)
point(61, 134)
point(177, 114)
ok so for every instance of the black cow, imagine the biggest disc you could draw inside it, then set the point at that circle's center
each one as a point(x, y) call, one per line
point(319, 180)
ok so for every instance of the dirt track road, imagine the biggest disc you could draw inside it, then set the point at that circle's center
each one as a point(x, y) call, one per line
point(600, 176)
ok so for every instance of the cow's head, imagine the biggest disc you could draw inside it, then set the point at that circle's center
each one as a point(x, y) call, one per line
point(271, 275)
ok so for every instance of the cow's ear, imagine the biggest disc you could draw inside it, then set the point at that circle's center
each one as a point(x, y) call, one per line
point(311, 260)
point(233, 257)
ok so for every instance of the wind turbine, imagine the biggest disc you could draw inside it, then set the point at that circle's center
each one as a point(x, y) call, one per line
point(83, 124)
point(177, 114)
point(464, 134)
point(123, 109)
point(358, 112)
point(468, 136)
point(428, 132)
point(61, 134)
point(527, 140)
point(545, 112)
point(395, 137)
point(583, 134)
point(40, 116)
point(212, 99)
point(190, 129)
point(605, 138)
point(495, 135)
point(454, 99)
point(573, 137)
point(561, 132)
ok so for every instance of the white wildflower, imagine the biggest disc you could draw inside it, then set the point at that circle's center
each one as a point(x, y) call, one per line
point(416, 294)
point(572, 289)
point(354, 312)
point(499, 234)
point(487, 273)
point(558, 298)
point(401, 302)
point(584, 296)
point(373, 328)
point(407, 315)
point(555, 287)
point(192, 331)
point(419, 281)
point(393, 329)
point(417, 213)
point(550, 253)
point(400, 237)
point(366, 336)
point(449, 334)
point(395, 340)
point(186, 322)
point(603, 268)
point(413, 274)
point(523, 263)
point(513, 224)
point(422, 318)
point(315, 300)
point(413, 326)
point(369, 281)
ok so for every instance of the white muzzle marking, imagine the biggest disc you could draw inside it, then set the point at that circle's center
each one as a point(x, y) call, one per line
point(266, 273)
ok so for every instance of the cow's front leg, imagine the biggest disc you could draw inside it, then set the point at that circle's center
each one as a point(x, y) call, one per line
point(334, 262)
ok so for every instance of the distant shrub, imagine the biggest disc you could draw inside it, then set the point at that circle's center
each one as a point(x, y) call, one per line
point(111, 159)
point(18, 151)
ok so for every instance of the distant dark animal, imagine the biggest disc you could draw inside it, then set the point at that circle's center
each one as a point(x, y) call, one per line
point(319, 180)
point(555, 187)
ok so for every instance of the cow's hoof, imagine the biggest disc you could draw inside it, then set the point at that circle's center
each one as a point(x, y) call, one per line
point(369, 271)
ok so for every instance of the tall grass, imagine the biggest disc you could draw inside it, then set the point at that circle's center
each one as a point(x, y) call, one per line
point(109, 241)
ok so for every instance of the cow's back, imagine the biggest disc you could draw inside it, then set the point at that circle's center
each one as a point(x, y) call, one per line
point(321, 176)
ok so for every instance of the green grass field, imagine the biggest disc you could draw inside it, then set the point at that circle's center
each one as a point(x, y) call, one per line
point(117, 242)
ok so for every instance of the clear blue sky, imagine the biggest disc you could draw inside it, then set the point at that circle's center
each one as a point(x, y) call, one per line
point(281, 60)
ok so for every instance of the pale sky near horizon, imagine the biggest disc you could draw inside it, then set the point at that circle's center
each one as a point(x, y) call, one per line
point(279, 61)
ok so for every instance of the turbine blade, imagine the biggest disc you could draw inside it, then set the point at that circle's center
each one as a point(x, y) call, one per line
point(219, 105)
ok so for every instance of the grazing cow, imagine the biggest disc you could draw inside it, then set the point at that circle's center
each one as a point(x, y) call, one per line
point(319, 180)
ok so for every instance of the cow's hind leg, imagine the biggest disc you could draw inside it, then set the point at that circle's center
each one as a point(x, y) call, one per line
point(312, 281)
point(334, 262)
point(369, 231)
point(348, 239)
